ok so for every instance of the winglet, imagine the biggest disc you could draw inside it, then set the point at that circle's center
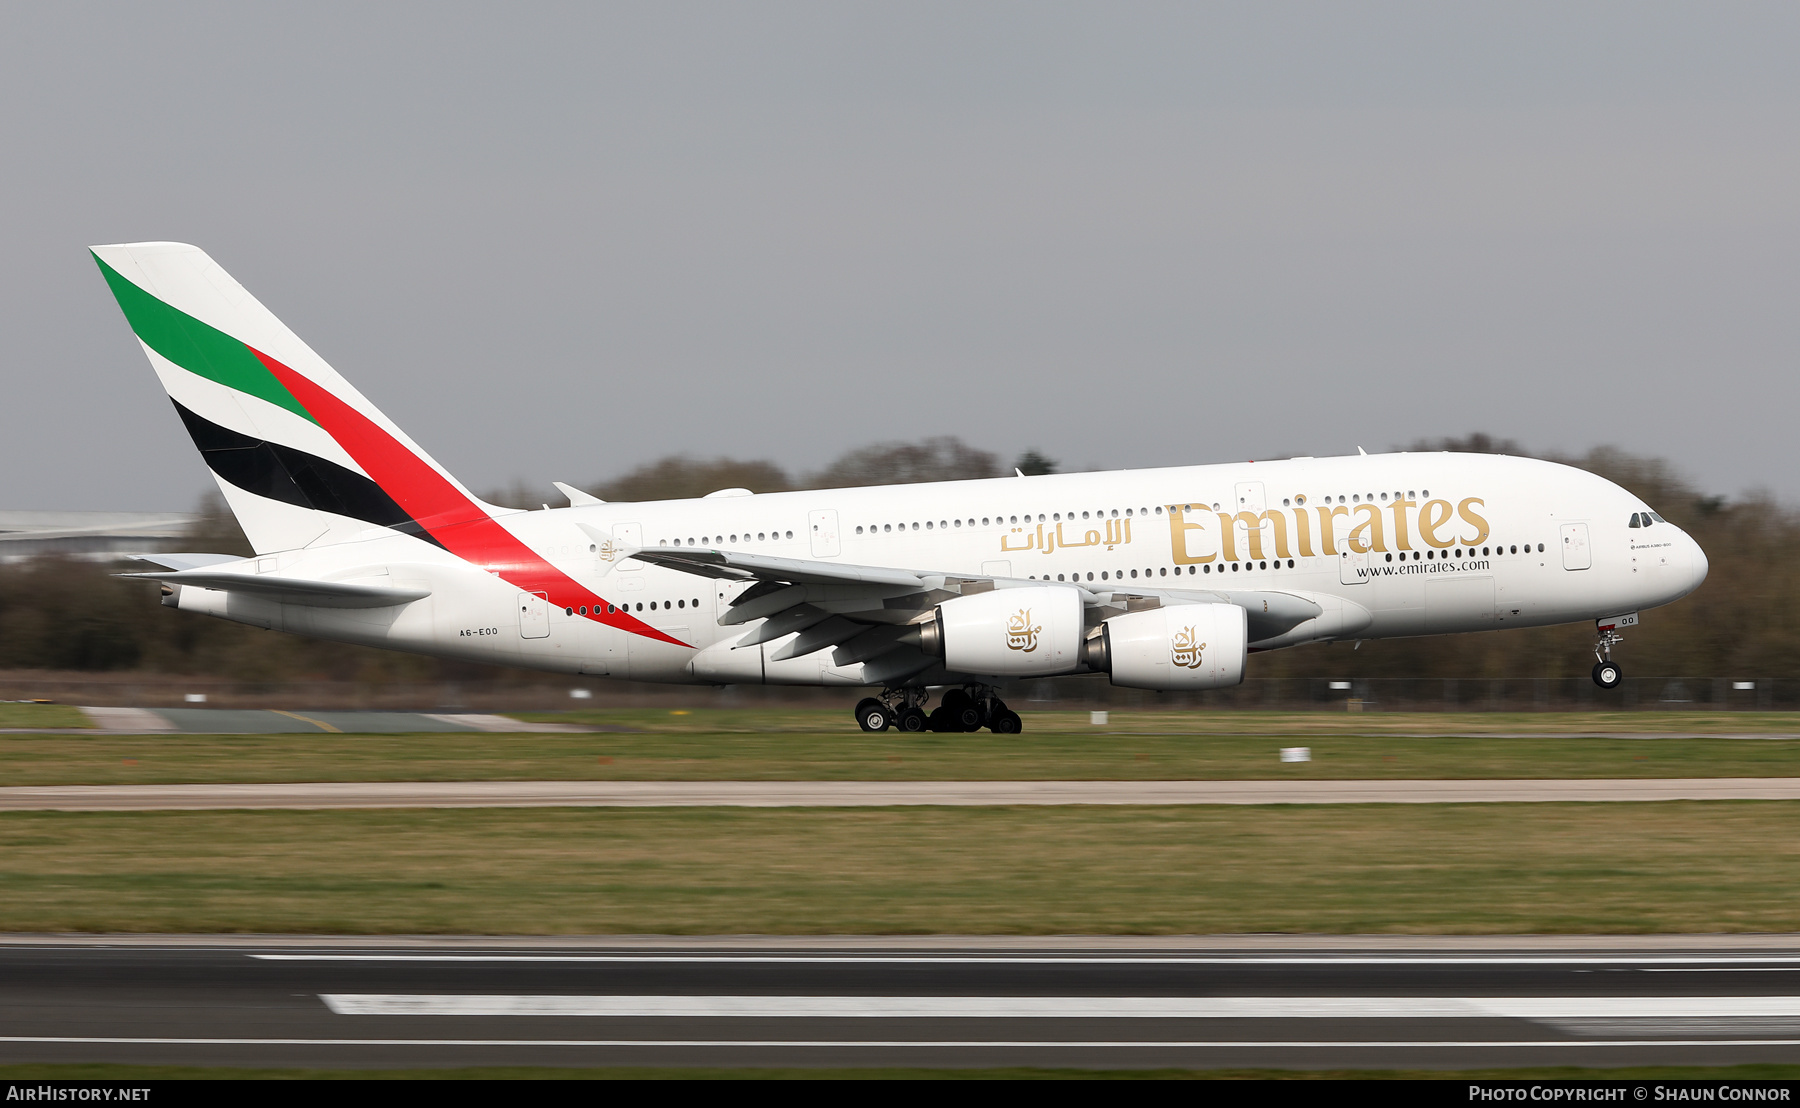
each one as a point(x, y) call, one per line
point(577, 498)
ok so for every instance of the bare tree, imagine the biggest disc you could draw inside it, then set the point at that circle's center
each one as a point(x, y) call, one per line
point(680, 477)
point(944, 458)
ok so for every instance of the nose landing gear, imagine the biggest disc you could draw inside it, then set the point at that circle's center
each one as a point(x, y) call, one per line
point(965, 709)
point(1607, 673)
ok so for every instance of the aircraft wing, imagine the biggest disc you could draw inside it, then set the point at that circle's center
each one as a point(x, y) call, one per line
point(289, 590)
point(843, 605)
point(1269, 613)
point(733, 566)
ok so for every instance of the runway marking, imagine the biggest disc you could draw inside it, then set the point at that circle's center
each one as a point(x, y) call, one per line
point(1725, 969)
point(1748, 961)
point(319, 723)
point(1063, 1007)
point(1098, 1044)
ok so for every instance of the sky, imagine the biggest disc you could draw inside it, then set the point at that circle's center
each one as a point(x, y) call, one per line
point(554, 242)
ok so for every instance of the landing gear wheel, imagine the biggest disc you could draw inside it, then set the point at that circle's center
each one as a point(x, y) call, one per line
point(873, 715)
point(1608, 674)
point(942, 719)
point(1006, 722)
point(910, 719)
point(960, 711)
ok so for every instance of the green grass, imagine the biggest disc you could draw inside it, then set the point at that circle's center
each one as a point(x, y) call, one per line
point(106, 1072)
point(1197, 722)
point(1415, 869)
point(803, 746)
point(41, 715)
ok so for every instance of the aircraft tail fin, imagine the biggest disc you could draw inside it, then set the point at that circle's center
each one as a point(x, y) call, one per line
point(301, 456)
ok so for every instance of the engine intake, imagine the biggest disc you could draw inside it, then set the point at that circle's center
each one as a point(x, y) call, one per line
point(1187, 646)
point(1029, 632)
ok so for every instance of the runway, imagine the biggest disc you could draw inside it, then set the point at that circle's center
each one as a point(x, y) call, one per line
point(268, 721)
point(1019, 1004)
point(817, 794)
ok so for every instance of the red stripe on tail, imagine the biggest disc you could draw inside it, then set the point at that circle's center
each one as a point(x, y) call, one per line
point(460, 524)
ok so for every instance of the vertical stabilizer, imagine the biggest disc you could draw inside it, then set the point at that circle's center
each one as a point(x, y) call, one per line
point(302, 457)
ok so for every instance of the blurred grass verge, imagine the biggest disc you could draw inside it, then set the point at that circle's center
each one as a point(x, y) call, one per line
point(105, 1072)
point(1684, 867)
point(1240, 721)
point(795, 753)
point(14, 714)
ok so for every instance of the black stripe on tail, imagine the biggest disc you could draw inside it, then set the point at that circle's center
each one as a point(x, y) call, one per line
point(295, 477)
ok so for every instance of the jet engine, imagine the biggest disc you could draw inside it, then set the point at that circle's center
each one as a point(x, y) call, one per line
point(1029, 632)
point(1186, 646)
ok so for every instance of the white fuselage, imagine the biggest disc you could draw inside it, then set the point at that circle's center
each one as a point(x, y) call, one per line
point(1388, 545)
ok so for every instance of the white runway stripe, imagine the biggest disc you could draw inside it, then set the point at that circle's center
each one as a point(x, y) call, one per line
point(1107, 1007)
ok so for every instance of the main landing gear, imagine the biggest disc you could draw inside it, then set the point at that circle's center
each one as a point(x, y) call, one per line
point(1607, 673)
point(963, 709)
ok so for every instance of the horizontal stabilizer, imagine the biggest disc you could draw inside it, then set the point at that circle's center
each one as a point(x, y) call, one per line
point(186, 561)
point(290, 590)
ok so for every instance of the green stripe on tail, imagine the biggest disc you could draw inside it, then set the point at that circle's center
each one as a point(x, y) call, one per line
point(196, 346)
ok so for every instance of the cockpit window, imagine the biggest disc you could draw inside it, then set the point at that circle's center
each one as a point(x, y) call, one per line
point(1658, 518)
point(1636, 520)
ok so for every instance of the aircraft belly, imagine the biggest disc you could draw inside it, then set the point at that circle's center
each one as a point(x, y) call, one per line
point(1400, 606)
point(1460, 603)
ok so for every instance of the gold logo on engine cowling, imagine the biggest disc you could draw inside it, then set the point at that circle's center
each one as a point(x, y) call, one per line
point(1184, 651)
point(1021, 633)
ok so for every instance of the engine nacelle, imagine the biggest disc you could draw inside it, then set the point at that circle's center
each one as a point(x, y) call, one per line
point(1029, 632)
point(1186, 646)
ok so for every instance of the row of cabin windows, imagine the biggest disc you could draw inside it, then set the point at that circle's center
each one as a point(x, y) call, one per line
point(1164, 571)
point(1486, 551)
point(999, 521)
point(1002, 520)
point(711, 540)
point(1496, 551)
point(1299, 499)
point(611, 608)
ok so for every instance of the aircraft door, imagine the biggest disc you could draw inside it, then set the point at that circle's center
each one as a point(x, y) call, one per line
point(1353, 568)
point(1250, 497)
point(534, 615)
point(632, 535)
point(1576, 552)
point(824, 527)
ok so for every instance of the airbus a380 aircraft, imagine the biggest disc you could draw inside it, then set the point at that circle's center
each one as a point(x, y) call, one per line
point(1162, 579)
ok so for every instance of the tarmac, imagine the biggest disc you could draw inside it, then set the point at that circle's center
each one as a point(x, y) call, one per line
point(260, 721)
point(1090, 1002)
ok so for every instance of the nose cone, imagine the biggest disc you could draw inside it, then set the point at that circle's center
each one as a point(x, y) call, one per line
point(1697, 564)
